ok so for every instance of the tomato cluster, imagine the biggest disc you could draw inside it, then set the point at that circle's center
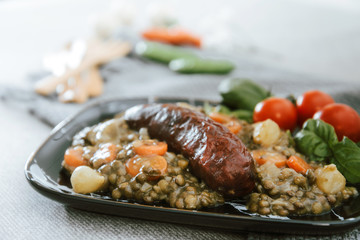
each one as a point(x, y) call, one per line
point(312, 104)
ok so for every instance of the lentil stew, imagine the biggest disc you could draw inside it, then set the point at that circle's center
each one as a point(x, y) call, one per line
point(107, 148)
point(43, 166)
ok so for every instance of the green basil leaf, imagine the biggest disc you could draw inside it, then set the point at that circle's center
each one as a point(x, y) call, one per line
point(322, 129)
point(242, 93)
point(315, 140)
point(243, 115)
point(347, 159)
point(318, 141)
point(223, 109)
point(311, 145)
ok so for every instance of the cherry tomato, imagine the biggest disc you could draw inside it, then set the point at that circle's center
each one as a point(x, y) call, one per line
point(280, 110)
point(343, 118)
point(311, 102)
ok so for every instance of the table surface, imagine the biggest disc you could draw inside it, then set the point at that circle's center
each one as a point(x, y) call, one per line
point(305, 36)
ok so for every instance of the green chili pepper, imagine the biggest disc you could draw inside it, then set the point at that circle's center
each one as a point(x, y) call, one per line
point(238, 93)
point(162, 52)
point(201, 65)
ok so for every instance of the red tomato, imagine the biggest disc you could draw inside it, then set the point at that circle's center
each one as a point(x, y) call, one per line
point(311, 102)
point(280, 110)
point(343, 118)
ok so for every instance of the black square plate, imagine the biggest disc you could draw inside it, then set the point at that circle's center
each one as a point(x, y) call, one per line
point(43, 167)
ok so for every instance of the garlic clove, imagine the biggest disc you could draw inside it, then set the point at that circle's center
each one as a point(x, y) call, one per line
point(86, 180)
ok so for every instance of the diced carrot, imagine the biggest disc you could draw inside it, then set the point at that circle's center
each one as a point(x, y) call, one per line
point(262, 156)
point(219, 117)
point(149, 147)
point(298, 164)
point(73, 157)
point(232, 124)
point(107, 151)
point(135, 164)
point(174, 36)
point(159, 164)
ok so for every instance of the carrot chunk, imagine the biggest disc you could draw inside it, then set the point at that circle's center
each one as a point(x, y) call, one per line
point(149, 147)
point(232, 124)
point(107, 151)
point(174, 36)
point(133, 165)
point(219, 117)
point(262, 156)
point(298, 164)
point(73, 157)
point(158, 164)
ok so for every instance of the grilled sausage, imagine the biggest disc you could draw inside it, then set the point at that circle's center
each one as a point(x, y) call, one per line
point(216, 155)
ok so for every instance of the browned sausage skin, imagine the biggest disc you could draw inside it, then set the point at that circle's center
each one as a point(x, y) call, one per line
point(216, 155)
